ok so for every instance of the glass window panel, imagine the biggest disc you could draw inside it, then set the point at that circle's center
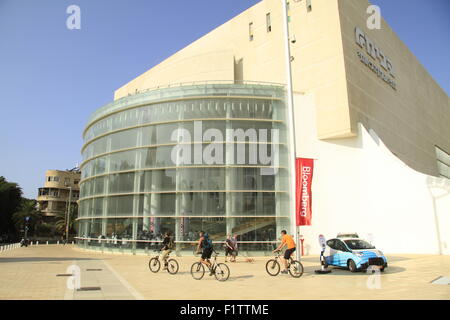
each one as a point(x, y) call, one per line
point(94, 229)
point(145, 183)
point(122, 161)
point(252, 179)
point(203, 203)
point(124, 139)
point(148, 136)
point(243, 203)
point(99, 166)
point(97, 206)
point(148, 157)
point(121, 183)
point(123, 229)
point(120, 206)
point(164, 180)
point(164, 156)
point(201, 179)
point(166, 204)
point(164, 133)
point(216, 228)
point(99, 185)
point(158, 226)
point(86, 171)
point(253, 229)
point(100, 146)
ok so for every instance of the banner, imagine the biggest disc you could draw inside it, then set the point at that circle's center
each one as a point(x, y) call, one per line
point(304, 172)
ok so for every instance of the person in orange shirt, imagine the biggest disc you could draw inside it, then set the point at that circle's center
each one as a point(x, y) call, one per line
point(286, 240)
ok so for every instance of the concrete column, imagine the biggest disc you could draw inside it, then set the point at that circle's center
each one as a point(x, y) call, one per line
point(106, 190)
point(136, 188)
point(229, 205)
point(155, 202)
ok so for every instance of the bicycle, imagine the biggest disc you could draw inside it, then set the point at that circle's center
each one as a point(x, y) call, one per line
point(220, 270)
point(154, 264)
point(295, 267)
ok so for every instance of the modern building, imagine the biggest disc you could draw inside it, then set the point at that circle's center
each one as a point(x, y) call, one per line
point(60, 187)
point(164, 155)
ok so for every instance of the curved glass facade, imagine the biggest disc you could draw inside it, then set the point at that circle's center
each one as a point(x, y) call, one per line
point(189, 158)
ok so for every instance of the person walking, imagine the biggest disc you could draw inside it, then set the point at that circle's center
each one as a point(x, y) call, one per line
point(230, 249)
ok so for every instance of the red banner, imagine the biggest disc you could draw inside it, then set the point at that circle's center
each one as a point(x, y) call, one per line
point(304, 172)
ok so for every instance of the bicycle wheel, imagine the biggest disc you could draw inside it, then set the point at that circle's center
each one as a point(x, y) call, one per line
point(197, 271)
point(154, 265)
point(222, 272)
point(172, 266)
point(296, 269)
point(273, 267)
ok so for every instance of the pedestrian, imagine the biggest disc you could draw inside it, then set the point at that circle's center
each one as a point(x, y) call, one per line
point(230, 249)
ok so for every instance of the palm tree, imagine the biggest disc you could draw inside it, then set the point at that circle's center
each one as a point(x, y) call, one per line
point(60, 220)
point(27, 209)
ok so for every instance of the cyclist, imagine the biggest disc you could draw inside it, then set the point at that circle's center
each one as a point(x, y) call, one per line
point(166, 248)
point(205, 247)
point(286, 240)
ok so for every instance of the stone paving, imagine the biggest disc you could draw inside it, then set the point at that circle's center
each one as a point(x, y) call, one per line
point(31, 273)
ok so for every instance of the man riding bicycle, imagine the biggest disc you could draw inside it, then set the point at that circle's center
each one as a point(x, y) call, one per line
point(166, 248)
point(205, 247)
point(286, 240)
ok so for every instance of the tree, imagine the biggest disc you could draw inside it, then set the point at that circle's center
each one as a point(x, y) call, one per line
point(27, 209)
point(10, 202)
point(60, 220)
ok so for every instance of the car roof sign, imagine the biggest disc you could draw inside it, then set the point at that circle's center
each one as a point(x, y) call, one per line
point(322, 241)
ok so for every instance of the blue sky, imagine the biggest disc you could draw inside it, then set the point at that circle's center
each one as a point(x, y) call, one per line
point(52, 78)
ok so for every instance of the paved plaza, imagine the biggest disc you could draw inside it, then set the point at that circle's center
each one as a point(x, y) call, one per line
point(41, 272)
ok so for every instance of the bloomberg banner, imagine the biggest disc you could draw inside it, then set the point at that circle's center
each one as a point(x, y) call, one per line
point(304, 172)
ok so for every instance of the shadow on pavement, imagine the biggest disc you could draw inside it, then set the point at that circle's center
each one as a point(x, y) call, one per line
point(344, 272)
point(240, 277)
point(41, 259)
point(395, 258)
point(389, 258)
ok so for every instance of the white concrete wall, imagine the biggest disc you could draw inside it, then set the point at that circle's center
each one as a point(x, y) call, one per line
point(360, 186)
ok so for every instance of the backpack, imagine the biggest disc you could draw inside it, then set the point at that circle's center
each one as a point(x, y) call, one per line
point(207, 242)
point(171, 244)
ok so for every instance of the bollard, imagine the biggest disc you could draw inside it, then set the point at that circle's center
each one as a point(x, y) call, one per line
point(31, 243)
point(73, 243)
point(37, 242)
point(57, 242)
point(47, 242)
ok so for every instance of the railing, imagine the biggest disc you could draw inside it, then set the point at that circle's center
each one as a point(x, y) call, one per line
point(9, 247)
point(147, 246)
point(209, 82)
point(100, 112)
